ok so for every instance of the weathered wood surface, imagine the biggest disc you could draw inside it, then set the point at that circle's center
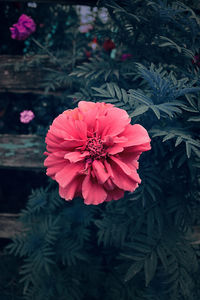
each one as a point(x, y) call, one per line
point(16, 79)
point(21, 151)
point(10, 226)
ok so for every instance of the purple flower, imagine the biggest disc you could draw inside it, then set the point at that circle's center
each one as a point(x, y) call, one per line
point(23, 28)
point(126, 56)
point(84, 28)
point(26, 116)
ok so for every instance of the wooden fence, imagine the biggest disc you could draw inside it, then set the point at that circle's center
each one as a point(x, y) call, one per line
point(20, 152)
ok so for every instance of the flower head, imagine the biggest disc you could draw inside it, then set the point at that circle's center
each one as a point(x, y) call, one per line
point(23, 28)
point(196, 60)
point(88, 54)
point(26, 116)
point(126, 56)
point(108, 45)
point(93, 152)
point(84, 28)
point(93, 44)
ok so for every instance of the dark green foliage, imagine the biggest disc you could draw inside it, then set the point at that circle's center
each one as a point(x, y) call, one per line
point(138, 247)
point(10, 288)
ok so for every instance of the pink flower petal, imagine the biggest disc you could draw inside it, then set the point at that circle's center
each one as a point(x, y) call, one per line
point(124, 181)
point(71, 144)
point(100, 171)
point(115, 194)
point(69, 126)
point(129, 158)
point(121, 164)
point(136, 134)
point(116, 121)
point(71, 190)
point(93, 193)
point(52, 170)
point(109, 185)
point(67, 174)
point(108, 169)
point(76, 156)
point(115, 149)
point(52, 160)
point(85, 106)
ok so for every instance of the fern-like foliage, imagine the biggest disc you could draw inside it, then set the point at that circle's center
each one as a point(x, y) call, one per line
point(146, 252)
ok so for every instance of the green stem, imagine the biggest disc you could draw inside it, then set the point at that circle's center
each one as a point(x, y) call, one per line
point(47, 51)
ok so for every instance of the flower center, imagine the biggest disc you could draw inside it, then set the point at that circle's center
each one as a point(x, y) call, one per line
point(96, 149)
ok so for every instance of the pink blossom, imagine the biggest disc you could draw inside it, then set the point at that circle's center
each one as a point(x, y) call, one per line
point(23, 28)
point(126, 56)
point(196, 60)
point(93, 152)
point(84, 28)
point(26, 116)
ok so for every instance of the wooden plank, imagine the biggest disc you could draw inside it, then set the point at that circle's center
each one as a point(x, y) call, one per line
point(21, 151)
point(21, 74)
point(10, 226)
point(16, 79)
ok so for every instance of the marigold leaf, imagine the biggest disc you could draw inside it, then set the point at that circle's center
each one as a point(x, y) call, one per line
point(150, 266)
point(178, 141)
point(162, 255)
point(139, 110)
point(133, 270)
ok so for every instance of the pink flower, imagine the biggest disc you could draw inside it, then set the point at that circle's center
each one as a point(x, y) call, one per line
point(93, 152)
point(23, 28)
point(126, 56)
point(84, 28)
point(196, 60)
point(26, 116)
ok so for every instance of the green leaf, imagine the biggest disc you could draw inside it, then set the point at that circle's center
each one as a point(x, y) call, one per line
point(188, 149)
point(178, 141)
point(150, 266)
point(139, 111)
point(118, 92)
point(163, 256)
point(133, 270)
point(107, 74)
point(139, 96)
point(111, 89)
point(124, 95)
point(156, 111)
point(168, 137)
point(141, 247)
point(169, 43)
point(194, 119)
